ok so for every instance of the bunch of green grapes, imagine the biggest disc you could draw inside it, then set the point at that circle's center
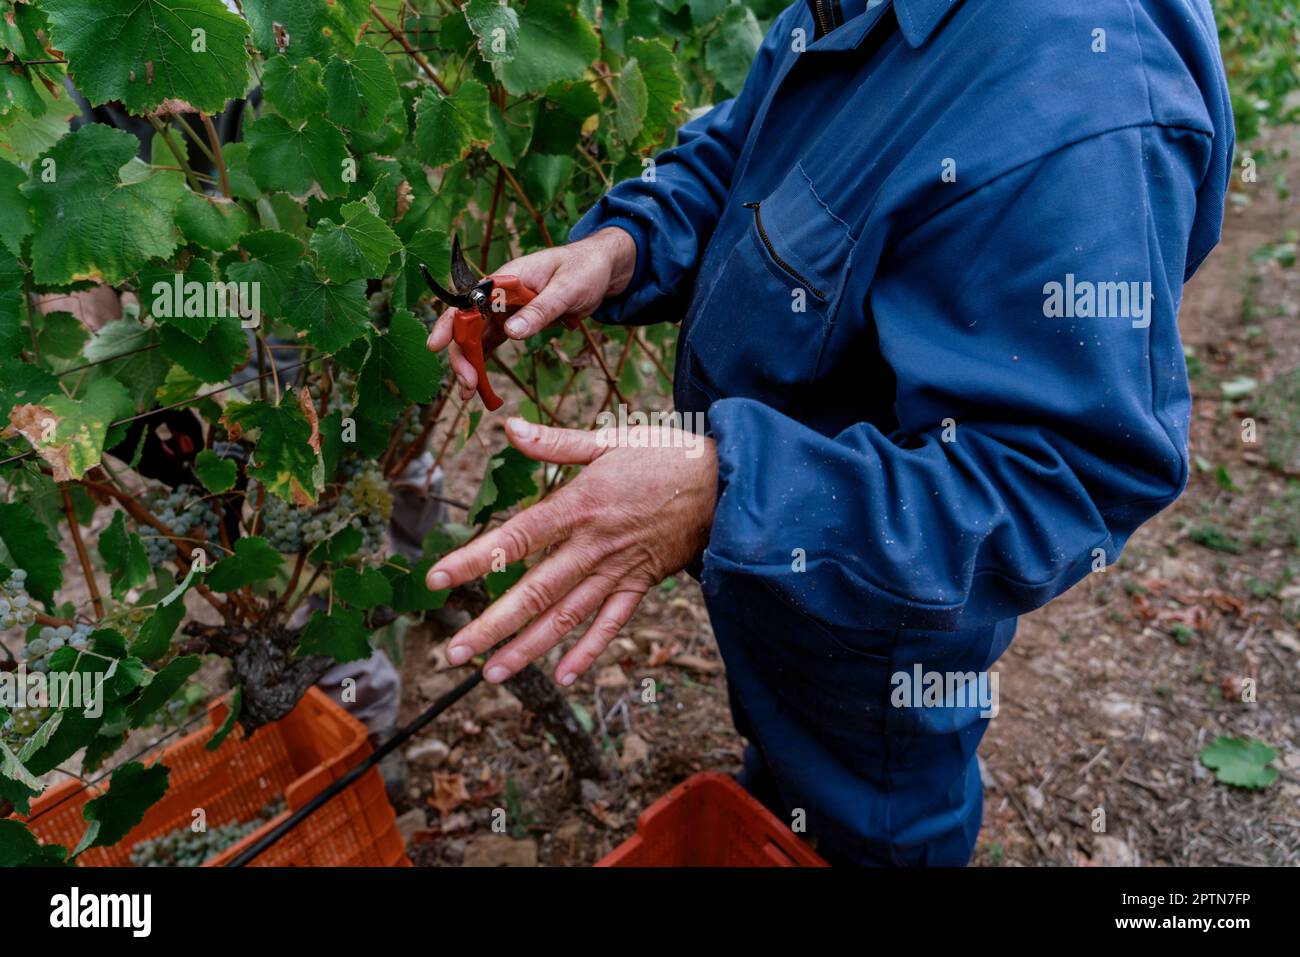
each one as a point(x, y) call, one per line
point(184, 847)
point(36, 653)
point(22, 723)
point(187, 512)
point(364, 503)
point(16, 607)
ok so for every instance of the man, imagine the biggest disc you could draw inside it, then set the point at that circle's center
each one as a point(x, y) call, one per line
point(928, 263)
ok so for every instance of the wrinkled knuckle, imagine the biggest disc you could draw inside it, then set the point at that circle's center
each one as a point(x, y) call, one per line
point(516, 541)
point(533, 598)
point(565, 621)
point(605, 630)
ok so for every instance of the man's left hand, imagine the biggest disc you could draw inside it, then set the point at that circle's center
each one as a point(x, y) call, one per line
point(637, 512)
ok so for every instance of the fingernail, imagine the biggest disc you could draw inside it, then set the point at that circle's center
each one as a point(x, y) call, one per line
point(458, 654)
point(439, 581)
point(522, 428)
point(497, 674)
point(568, 678)
point(516, 327)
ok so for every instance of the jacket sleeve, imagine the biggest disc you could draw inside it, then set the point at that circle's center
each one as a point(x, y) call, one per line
point(1030, 444)
point(672, 215)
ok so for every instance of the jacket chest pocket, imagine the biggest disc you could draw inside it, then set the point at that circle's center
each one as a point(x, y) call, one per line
point(760, 327)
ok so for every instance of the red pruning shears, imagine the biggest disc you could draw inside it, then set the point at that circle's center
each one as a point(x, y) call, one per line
point(481, 305)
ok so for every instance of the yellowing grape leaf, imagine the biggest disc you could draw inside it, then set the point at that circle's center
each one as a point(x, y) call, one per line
point(97, 211)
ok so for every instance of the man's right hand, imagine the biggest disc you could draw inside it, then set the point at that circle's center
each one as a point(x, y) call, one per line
point(569, 280)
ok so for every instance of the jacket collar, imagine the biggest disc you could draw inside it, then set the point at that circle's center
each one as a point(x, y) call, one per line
point(917, 19)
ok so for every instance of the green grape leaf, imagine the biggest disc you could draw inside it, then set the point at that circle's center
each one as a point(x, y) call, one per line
point(62, 335)
point(286, 458)
point(433, 248)
point(125, 559)
point(273, 257)
point(242, 184)
point(365, 588)
point(127, 351)
point(338, 546)
point(254, 560)
point(294, 90)
point(217, 474)
point(555, 43)
point(228, 725)
point(12, 767)
point(215, 357)
point(145, 51)
point(544, 174)
point(211, 222)
point(409, 591)
point(104, 213)
point(297, 158)
point(704, 11)
point(164, 684)
point(69, 433)
point(399, 370)
point(24, 136)
point(15, 217)
point(332, 314)
point(13, 306)
point(448, 127)
point(730, 51)
point(17, 794)
point(631, 101)
point(497, 28)
point(508, 481)
point(28, 545)
point(100, 749)
point(1240, 762)
point(19, 848)
point(184, 301)
point(342, 635)
point(132, 790)
point(359, 248)
point(498, 583)
point(305, 28)
point(664, 92)
point(155, 635)
point(361, 89)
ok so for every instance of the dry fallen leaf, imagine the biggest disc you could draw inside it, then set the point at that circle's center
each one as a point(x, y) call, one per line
point(449, 792)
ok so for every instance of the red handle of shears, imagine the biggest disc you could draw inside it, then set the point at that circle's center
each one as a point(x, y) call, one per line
point(468, 326)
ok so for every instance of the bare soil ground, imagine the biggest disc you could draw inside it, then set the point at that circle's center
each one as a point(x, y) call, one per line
point(1107, 695)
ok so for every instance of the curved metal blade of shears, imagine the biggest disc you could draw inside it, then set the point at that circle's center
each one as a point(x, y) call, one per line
point(450, 298)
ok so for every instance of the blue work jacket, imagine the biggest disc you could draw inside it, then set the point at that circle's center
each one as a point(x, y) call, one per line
point(928, 268)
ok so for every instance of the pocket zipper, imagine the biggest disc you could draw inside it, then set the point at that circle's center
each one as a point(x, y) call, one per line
point(762, 233)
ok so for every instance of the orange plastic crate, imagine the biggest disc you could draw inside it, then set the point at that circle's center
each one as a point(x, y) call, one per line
point(296, 757)
point(710, 821)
